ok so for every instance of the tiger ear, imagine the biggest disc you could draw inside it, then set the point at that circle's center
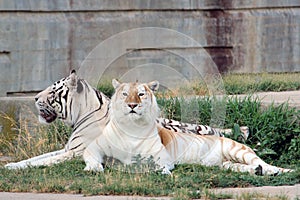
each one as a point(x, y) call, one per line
point(153, 85)
point(73, 78)
point(75, 82)
point(73, 71)
point(115, 83)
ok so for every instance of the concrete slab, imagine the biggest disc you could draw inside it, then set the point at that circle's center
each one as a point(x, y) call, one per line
point(47, 196)
point(267, 98)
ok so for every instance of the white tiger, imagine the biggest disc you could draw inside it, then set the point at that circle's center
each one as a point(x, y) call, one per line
point(132, 130)
point(85, 109)
point(79, 105)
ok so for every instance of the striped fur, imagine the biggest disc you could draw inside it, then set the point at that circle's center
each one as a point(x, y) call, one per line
point(79, 105)
point(215, 151)
point(198, 129)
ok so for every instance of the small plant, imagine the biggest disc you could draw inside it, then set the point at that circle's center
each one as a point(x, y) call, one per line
point(236, 134)
point(139, 165)
point(211, 195)
point(106, 87)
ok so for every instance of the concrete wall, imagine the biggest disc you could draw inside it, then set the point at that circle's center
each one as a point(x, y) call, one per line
point(41, 40)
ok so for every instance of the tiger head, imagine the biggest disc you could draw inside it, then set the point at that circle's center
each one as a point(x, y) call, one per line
point(134, 101)
point(55, 101)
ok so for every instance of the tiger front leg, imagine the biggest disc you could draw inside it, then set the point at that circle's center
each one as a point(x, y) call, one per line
point(93, 166)
point(167, 170)
point(165, 161)
point(93, 158)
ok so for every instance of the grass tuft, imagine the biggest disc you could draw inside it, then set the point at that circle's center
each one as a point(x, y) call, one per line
point(263, 82)
point(31, 138)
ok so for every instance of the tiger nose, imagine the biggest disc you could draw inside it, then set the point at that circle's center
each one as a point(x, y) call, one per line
point(132, 105)
point(36, 98)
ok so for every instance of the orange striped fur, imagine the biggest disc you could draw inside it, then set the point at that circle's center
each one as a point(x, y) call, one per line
point(215, 151)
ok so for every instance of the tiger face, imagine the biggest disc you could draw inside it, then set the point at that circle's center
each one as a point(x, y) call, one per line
point(135, 101)
point(52, 102)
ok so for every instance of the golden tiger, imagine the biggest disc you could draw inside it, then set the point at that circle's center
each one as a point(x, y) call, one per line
point(132, 130)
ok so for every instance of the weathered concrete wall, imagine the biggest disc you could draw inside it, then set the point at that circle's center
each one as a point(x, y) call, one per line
point(41, 40)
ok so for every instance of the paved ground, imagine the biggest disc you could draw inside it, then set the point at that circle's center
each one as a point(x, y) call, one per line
point(292, 97)
point(45, 196)
point(292, 192)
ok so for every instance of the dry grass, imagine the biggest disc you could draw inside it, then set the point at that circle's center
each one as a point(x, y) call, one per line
point(227, 84)
point(26, 137)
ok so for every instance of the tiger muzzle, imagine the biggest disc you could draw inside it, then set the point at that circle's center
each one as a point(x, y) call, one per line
point(46, 112)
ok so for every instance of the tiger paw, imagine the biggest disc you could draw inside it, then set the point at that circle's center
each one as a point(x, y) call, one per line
point(259, 170)
point(166, 171)
point(271, 170)
point(94, 168)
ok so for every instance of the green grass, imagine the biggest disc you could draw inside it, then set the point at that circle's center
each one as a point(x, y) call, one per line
point(265, 82)
point(188, 181)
